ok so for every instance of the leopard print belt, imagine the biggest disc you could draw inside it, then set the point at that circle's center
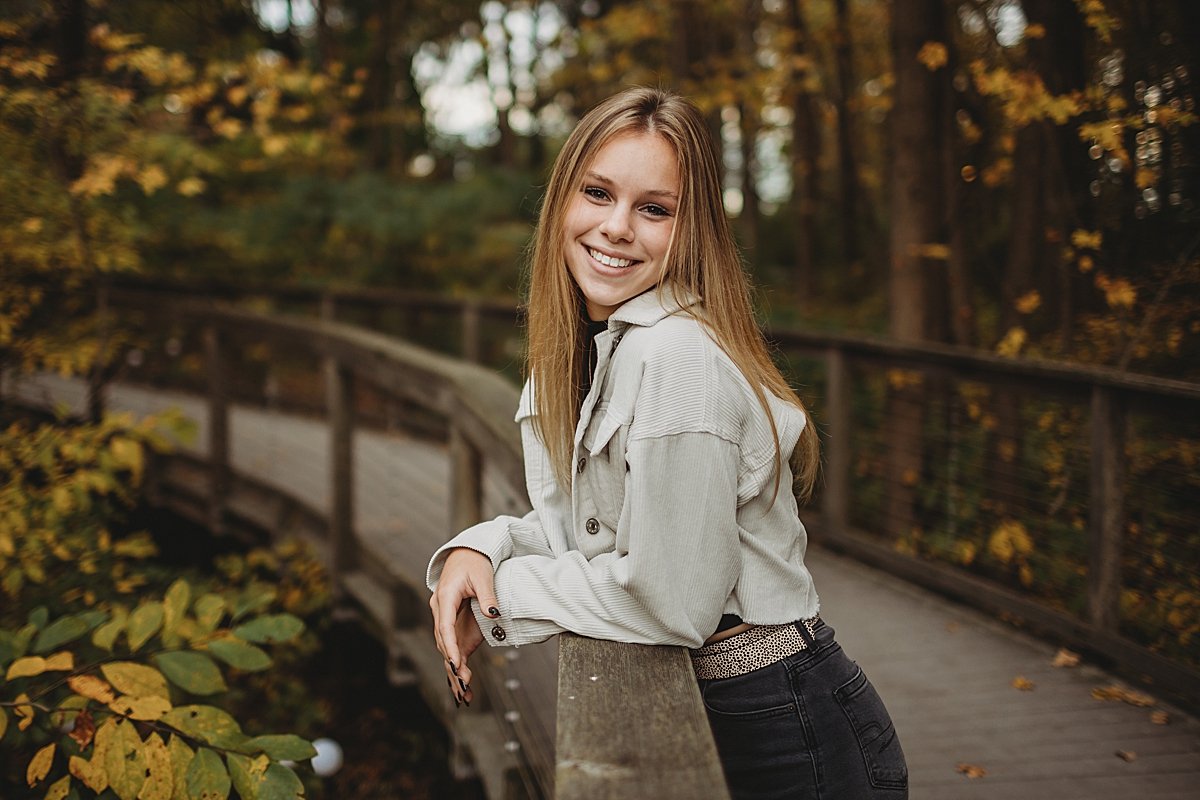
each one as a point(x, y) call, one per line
point(752, 649)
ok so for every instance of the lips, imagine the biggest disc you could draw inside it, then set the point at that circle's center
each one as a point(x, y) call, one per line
point(610, 261)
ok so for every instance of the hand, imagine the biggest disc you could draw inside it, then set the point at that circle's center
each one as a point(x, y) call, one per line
point(466, 574)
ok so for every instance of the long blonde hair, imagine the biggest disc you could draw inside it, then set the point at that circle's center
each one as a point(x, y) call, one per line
point(702, 259)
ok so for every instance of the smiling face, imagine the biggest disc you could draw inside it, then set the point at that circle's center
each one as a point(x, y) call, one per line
point(618, 228)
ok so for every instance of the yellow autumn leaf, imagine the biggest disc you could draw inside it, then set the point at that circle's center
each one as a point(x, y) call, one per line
point(932, 250)
point(1029, 302)
point(92, 774)
point(1010, 346)
point(91, 687)
point(1118, 292)
point(274, 145)
point(59, 789)
point(1145, 178)
point(61, 662)
point(160, 777)
point(190, 187)
point(152, 178)
point(1087, 239)
point(1086, 263)
point(1023, 684)
point(27, 667)
point(1035, 31)
point(24, 711)
point(39, 765)
point(1065, 658)
point(970, 770)
point(1009, 540)
point(933, 55)
point(141, 708)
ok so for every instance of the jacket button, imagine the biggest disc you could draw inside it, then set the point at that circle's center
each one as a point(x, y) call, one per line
point(592, 526)
point(498, 634)
point(582, 463)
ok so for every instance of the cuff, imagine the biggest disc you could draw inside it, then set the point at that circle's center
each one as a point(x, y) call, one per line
point(490, 538)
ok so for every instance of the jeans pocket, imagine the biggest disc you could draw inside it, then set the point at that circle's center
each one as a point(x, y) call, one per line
point(760, 735)
point(872, 726)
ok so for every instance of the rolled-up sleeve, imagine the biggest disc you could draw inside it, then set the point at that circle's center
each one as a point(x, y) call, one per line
point(498, 539)
point(675, 562)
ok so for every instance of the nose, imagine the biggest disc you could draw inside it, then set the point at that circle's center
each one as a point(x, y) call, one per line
point(616, 227)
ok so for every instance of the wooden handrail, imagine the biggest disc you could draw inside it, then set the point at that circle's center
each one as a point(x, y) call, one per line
point(676, 750)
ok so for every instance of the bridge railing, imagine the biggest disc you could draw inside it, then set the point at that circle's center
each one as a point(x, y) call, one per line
point(630, 721)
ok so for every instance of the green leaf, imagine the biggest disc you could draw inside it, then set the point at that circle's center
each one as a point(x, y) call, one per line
point(143, 623)
point(3, 722)
point(283, 747)
point(206, 777)
point(270, 628)
point(138, 680)
point(8, 648)
point(237, 653)
point(255, 598)
point(281, 784)
point(181, 759)
point(125, 762)
point(175, 603)
point(192, 672)
point(209, 724)
point(39, 617)
point(59, 632)
point(247, 774)
point(209, 609)
point(106, 635)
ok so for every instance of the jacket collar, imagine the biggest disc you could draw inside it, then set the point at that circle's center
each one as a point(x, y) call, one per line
point(652, 306)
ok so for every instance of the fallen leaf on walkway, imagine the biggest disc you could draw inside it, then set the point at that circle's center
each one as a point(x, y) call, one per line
point(1126, 755)
point(1160, 717)
point(952, 627)
point(1023, 683)
point(971, 770)
point(1065, 658)
point(1115, 692)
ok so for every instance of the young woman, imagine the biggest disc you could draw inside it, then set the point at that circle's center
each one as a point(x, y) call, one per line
point(662, 447)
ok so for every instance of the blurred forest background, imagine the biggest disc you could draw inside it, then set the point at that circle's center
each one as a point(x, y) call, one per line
point(1017, 176)
point(1004, 174)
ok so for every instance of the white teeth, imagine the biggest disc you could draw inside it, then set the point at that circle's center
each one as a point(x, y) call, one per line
point(607, 261)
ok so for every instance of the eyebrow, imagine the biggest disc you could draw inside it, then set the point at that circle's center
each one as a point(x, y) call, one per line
point(596, 176)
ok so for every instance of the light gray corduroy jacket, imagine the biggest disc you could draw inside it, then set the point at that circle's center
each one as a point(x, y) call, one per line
point(668, 522)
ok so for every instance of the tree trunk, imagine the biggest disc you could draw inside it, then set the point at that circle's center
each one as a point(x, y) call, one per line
point(917, 215)
point(804, 154)
point(848, 222)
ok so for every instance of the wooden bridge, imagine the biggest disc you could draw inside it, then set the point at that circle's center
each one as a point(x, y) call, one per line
point(376, 450)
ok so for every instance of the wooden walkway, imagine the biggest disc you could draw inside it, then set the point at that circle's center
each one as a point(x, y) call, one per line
point(947, 673)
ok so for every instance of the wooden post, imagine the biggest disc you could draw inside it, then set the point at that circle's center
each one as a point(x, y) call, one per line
point(218, 428)
point(1106, 509)
point(836, 492)
point(470, 331)
point(339, 399)
point(466, 482)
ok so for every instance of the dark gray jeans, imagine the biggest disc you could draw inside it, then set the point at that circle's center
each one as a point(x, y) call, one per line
point(808, 727)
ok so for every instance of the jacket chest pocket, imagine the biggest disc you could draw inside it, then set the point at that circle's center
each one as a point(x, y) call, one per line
point(600, 466)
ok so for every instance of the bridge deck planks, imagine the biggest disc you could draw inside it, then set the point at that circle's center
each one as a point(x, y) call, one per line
point(944, 671)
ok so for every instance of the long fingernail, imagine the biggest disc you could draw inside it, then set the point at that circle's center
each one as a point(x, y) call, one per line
point(493, 611)
point(453, 668)
point(468, 702)
point(456, 701)
point(465, 686)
